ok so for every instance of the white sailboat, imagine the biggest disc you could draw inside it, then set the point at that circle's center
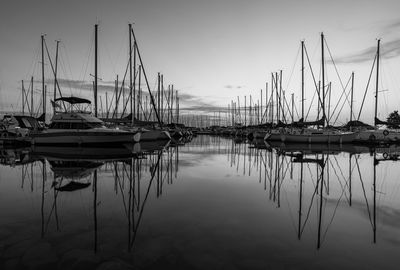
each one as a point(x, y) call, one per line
point(291, 134)
point(377, 135)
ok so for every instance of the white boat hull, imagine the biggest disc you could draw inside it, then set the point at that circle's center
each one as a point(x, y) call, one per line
point(378, 136)
point(312, 137)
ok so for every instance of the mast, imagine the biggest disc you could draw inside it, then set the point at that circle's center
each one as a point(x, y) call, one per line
point(95, 69)
point(43, 90)
point(116, 95)
point(323, 78)
point(260, 109)
point(32, 96)
point(55, 76)
point(377, 82)
point(130, 73)
point(302, 79)
point(281, 97)
point(135, 103)
point(139, 88)
point(351, 97)
point(162, 98)
point(292, 107)
point(158, 92)
point(272, 98)
point(23, 101)
point(177, 107)
point(245, 113)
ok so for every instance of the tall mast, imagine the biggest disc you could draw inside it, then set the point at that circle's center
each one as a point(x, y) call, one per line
point(260, 109)
point(135, 103)
point(116, 97)
point(302, 79)
point(282, 97)
point(278, 112)
point(377, 81)
point(32, 96)
point(43, 90)
point(323, 78)
point(147, 82)
point(162, 98)
point(245, 112)
point(158, 92)
point(292, 107)
point(130, 73)
point(272, 98)
point(139, 88)
point(23, 101)
point(55, 76)
point(95, 69)
point(351, 98)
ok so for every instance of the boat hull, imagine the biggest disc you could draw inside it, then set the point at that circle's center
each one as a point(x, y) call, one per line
point(83, 137)
point(321, 138)
point(155, 135)
point(378, 136)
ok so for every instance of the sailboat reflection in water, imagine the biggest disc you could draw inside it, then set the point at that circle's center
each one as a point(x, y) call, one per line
point(322, 183)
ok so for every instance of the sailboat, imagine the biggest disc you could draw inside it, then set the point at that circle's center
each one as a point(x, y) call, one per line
point(292, 134)
point(378, 135)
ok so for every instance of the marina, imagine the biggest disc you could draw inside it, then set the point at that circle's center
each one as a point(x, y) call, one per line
point(183, 134)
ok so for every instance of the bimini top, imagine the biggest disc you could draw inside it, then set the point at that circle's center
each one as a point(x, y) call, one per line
point(73, 100)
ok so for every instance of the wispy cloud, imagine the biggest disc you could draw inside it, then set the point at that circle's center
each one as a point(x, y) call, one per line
point(391, 27)
point(389, 49)
point(233, 86)
point(188, 103)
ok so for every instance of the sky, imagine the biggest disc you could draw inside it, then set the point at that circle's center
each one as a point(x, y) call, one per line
point(213, 51)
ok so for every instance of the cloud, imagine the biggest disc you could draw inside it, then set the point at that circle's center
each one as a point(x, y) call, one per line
point(233, 86)
point(187, 102)
point(388, 50)
point(391, 27)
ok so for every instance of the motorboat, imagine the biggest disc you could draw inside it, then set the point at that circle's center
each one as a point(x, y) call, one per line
point(76, 126)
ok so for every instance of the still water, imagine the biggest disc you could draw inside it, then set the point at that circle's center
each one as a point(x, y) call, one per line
point(211, 203)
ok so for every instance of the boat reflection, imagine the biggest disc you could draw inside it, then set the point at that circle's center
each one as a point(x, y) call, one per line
point(139, 171)
point(316, 169)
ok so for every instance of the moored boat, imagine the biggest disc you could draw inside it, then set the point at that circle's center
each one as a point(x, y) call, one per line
point(80, 127)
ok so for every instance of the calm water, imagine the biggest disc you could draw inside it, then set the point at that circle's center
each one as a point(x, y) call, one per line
point(211, 203)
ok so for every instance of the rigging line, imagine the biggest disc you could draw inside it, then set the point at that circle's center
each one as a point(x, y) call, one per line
point(54, 73)
point(291, 213)
point(144, 201)
point(309, 208)
point(340, 98)
point(312, 73)
point(365, 195)
point(366, 89)
point(67, 60)
point(311, 174)
point(145, 77)
point(341, 185)
point(122, 194)
point(333, 216)
point(68, 82)
point(341, 108)
point(34, 62)
point(122, 87)
point(337, 73)
point(294, 64)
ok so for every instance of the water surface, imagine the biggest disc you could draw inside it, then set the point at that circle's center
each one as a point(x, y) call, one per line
point(212, 203)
